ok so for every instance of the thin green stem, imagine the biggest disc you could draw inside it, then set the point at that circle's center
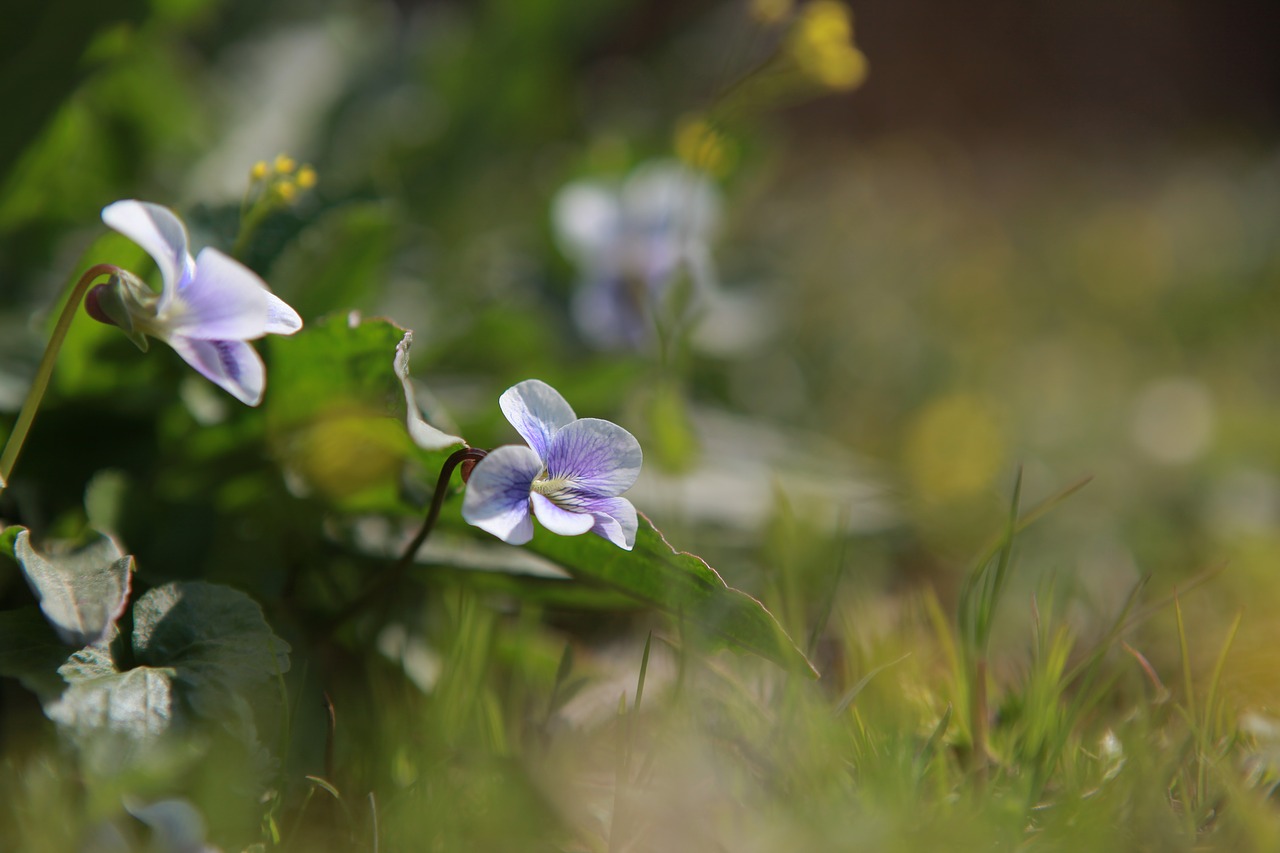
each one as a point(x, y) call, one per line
point(393, 574)
point(41, 382)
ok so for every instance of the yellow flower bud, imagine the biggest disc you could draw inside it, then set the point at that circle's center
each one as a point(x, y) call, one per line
point(287, 190)
point(306, 178)
point(285, 164)
point(822, 45)
point(259, 171)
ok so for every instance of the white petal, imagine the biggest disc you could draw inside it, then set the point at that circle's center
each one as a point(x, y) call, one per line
point(558, 519)
point(595, 456)
point(615, 520)
point(586, 217)
point(497, 498)
point(281, 318)
point(423, 434)
point(160, 233)
point(225, 301)
point(665, 196)
point(536, 410)
point(233, 366)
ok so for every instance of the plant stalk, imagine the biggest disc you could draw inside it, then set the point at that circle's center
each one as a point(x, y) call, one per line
point(45, 370)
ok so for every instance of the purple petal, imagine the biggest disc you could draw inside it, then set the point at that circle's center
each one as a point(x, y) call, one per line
point(497, 498)
point(559, 520)
point(615, 520)
point(233, 366)
point(225, 301)
point(613, 312)
point(595, 456)
point(161, 234)
point(536, 410)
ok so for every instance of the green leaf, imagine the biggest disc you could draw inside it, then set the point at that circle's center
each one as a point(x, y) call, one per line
point(213, 637)
point(30, 651)
point(82, 592)
point(339, 413)
point(200, 647)
point(677, 582)
point(137, 704)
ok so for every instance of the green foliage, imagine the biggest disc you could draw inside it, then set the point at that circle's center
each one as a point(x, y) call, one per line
point(677, 582)
point(82, 592)
point(278, 670)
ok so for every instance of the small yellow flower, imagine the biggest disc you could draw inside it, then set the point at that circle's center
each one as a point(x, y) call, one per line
point(285, 164)
point(822, 45)
point(287, 190)
point(770, 12)
point(306, 178)
point(259, 171)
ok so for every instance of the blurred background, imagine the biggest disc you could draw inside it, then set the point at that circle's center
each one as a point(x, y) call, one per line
point(979, 239)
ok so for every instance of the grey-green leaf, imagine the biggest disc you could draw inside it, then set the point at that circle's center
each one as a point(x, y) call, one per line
point(30, 650)
point(677, 582)
point(82, 592)
point(213, 636)
point(137, 704)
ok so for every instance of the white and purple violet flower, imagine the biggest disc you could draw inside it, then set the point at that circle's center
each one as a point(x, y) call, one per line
point(571, 475)
point(209, 308)
point(631, 242)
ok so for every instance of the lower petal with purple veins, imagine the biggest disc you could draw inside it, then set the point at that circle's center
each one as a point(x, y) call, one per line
point(233, 366)
point(559, 519)
point(615, 520)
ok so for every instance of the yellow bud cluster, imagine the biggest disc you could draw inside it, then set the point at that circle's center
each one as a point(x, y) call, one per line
point(703, 147)
point(280, 181)
point(821, 43)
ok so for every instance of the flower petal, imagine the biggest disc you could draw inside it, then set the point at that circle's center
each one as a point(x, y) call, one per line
point(615, 520)
point(225, 301)
point(497, 498)
point(587, 217)
point(596, 457)
point(423, 434)
point(559, 520)
point(536, 410)
point(161, 234)
point(281, 318)
point(234, 366)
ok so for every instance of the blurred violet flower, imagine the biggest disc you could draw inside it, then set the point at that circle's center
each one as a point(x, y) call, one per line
point(631, 243)
point(571, 474)
point(208, 309)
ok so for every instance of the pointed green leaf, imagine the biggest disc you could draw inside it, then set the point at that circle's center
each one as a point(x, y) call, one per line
point(677, 582)
point(82, 592)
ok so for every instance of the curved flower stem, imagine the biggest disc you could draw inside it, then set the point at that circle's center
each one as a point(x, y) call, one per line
point(393, 574)
point(41, 382)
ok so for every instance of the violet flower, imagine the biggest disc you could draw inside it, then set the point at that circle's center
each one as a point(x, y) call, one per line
point(631, 242)
point(571, 474)
point(208, 309)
